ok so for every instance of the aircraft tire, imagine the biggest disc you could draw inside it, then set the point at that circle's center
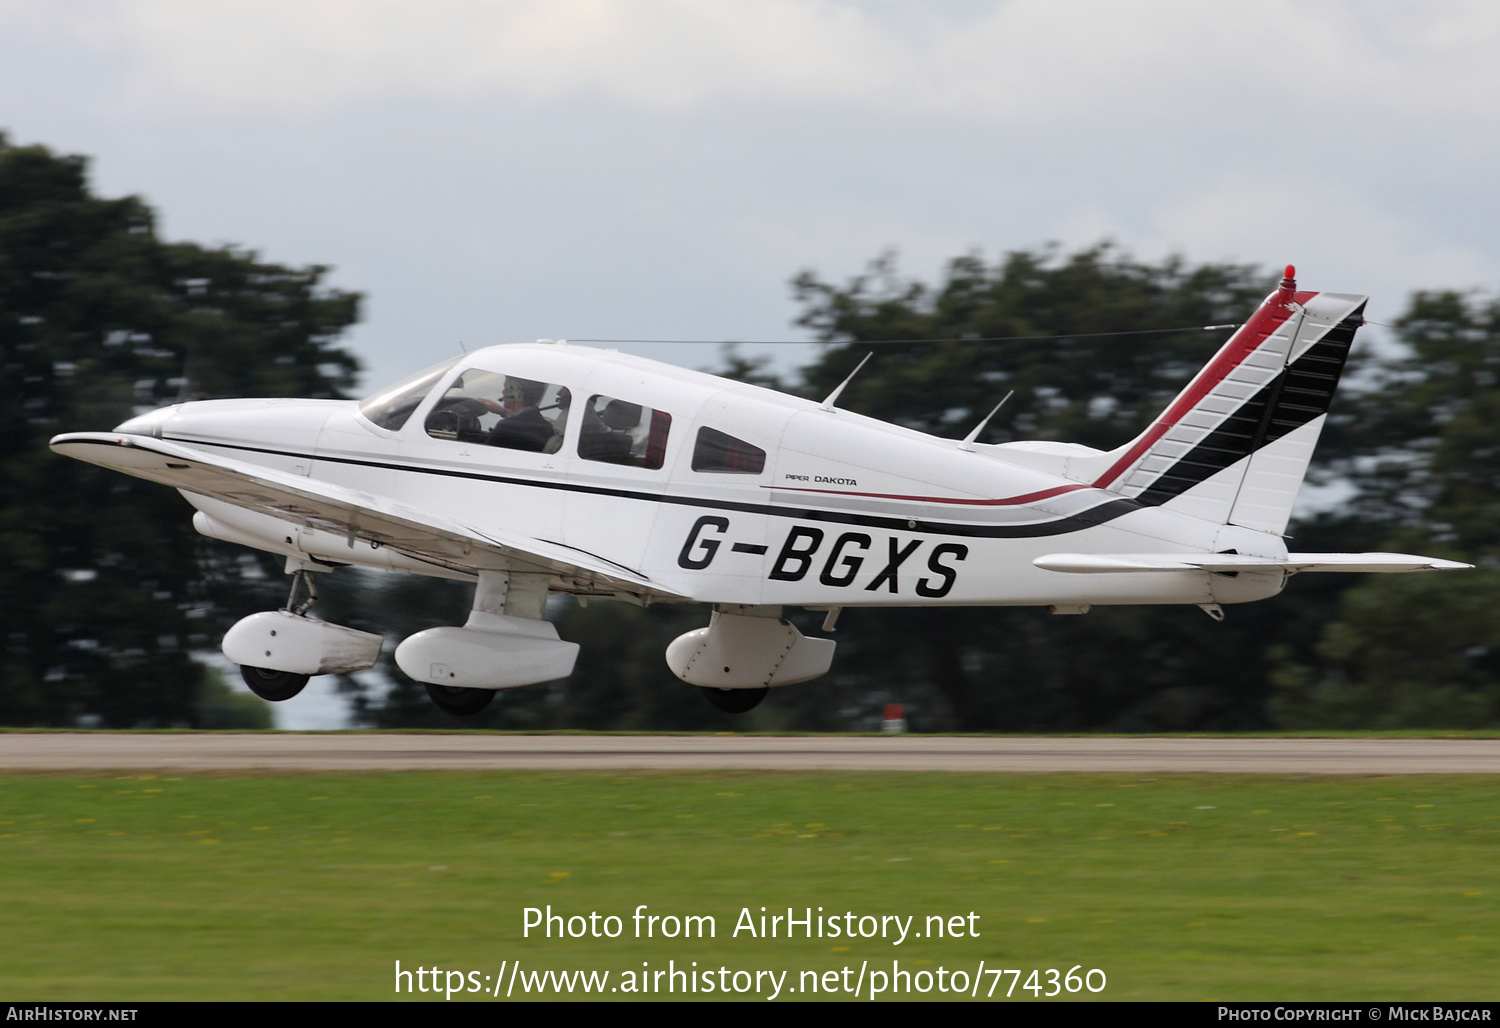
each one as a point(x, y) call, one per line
point(272, 685)
point(735, 701)
point(460, 701)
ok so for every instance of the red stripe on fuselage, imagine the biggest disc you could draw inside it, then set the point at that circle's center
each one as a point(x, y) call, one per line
point(1007, 502)
point(1245, 342)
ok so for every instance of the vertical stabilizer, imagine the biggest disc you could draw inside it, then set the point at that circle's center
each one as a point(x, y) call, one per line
point(1234, 446)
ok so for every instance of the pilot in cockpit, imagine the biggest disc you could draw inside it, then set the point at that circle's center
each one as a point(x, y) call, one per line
point(520, 419)
point(522, 424)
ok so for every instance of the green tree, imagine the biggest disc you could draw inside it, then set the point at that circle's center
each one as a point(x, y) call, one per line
point(1403, 651)
point(1422, 448)
point(1090, 380)
point(104, 588)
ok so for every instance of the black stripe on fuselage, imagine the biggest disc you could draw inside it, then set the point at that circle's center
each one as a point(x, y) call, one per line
point(1099, 515)
point(1299, 394)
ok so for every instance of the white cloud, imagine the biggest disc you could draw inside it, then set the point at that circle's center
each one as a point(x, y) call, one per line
point(638, 167)
point(287, 55)
point(1023, 61)
point(1338, 239)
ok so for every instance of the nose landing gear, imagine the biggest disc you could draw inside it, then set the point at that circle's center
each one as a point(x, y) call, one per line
point(272, 685)
point(278, 651)
point(268, 683)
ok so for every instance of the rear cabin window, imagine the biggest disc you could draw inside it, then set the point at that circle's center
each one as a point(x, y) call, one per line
point(393, 405)
point(717, 452)
point(620, 432)
point(493, 409)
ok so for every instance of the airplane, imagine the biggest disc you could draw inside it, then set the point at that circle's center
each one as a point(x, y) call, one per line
point(535, 470)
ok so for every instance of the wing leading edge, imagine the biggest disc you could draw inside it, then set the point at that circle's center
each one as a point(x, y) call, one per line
point(421, 534)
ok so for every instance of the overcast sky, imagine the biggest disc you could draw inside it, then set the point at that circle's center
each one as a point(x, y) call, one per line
point(499, 172)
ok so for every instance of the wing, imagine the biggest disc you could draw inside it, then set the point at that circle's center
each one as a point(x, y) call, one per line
point(1111, 563)
point(422, 534)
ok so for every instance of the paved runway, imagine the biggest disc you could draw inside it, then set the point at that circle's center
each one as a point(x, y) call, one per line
point(71, 751)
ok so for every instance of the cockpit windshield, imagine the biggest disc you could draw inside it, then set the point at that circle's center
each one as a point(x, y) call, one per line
point(390, 407)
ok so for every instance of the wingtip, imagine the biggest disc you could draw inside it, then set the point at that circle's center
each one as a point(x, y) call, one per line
point(56, 442)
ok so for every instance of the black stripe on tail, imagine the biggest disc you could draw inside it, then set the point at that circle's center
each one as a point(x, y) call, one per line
point(1292, 399)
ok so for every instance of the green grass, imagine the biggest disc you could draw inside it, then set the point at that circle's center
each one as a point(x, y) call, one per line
point(311, 886)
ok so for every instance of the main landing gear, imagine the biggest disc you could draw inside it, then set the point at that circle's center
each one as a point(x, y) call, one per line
point(504, 644)
point(734, 701)
point(744, 652)
point(453, 699)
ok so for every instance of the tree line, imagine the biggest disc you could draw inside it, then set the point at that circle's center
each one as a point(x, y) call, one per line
point(106, 593)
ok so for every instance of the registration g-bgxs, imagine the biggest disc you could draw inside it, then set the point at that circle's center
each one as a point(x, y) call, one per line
point(543, 469)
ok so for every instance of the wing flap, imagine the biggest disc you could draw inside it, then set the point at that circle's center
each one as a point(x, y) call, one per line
point(1114, 563)
point(422, 534)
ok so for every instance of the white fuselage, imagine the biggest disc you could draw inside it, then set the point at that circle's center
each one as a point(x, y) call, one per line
point(846, 510)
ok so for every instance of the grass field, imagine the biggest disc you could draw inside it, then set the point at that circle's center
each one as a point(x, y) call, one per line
point(311, 886)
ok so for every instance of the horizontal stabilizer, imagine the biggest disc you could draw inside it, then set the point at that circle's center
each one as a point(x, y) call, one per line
point(1112, 563)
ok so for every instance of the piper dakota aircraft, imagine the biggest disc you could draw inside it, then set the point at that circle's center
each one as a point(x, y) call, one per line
point(542, 469)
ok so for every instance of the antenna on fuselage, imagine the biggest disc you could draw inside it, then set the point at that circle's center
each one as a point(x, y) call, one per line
point(828, 403)
point(968, 443)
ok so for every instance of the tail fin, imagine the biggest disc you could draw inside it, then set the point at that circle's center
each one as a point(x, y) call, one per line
point(1234, 446)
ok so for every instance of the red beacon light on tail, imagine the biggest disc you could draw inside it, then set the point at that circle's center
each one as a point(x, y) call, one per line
point(1288, 285)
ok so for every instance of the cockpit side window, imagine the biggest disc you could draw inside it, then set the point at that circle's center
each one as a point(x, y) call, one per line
point(715, 451)
point(620, 432)
point(392, 406)
point(494, 409)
